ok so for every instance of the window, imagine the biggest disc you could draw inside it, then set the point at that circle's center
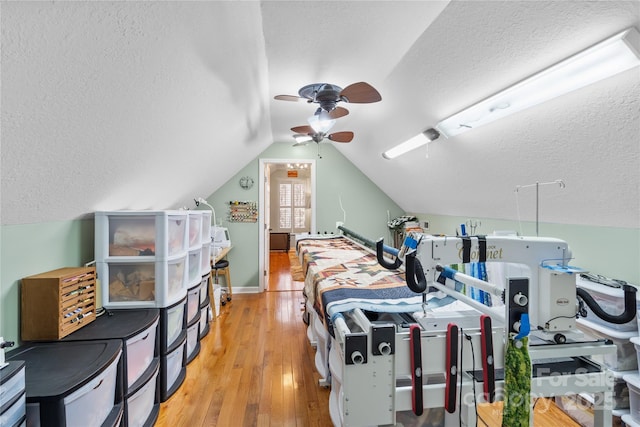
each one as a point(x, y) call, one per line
point(293, 202)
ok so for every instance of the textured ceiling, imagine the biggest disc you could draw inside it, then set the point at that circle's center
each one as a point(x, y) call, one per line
point(114, 105)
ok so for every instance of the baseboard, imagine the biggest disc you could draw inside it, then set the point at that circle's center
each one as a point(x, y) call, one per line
point(247, 290)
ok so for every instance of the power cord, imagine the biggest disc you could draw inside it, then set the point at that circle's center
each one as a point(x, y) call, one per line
point(473, 380)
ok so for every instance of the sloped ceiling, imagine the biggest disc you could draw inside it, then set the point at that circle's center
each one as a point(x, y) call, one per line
point(118, 105)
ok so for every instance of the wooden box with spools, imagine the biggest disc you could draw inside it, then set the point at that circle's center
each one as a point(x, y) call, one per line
point(56, 303)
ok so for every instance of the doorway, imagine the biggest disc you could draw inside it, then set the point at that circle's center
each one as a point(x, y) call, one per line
point(287, 207)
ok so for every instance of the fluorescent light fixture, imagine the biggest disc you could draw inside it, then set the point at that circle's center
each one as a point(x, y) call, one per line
point(605, 59)
point(411, 144)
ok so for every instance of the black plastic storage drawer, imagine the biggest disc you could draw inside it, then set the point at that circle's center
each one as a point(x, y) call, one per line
point(138, 329)
point(12, 395)
point(173, 326)
point(173, 370)
point(72, 384)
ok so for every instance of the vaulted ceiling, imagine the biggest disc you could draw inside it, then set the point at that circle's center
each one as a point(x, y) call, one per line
point(113, 105)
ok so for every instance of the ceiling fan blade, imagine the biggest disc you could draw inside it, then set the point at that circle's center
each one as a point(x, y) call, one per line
point(306, 129)
point(345, 136)
point(338, 112)
point(360, 93)
point(288, 98)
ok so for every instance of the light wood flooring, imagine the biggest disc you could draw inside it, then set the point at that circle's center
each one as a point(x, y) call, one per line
point(255, 366)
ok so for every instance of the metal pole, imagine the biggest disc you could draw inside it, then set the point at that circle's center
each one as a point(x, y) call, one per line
point(537, 206)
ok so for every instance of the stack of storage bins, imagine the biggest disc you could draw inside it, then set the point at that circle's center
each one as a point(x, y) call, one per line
point(72, 383)
point(138, 330)
point(624, 363)
point(193, 282)
point(205, 272)
point(13, 411)
point(142, 262)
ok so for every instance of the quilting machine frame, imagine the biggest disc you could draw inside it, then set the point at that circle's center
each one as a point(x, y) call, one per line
point(370, 360)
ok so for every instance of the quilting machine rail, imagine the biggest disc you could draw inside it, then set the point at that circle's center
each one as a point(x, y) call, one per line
point(377, 362)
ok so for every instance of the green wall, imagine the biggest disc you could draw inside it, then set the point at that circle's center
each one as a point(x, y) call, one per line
point(608, 251)
point(35, 248)
point(337, 179)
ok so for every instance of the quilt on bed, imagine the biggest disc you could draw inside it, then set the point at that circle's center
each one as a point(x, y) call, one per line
point(341, 275)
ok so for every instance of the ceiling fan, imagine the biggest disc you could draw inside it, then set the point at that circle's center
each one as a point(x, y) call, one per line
point(306, 134)
point(327, 95)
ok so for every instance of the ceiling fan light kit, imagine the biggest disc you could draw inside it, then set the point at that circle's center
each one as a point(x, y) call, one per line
point(327, 95)
point(602, 60)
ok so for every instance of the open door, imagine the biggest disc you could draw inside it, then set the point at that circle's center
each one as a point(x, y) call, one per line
point(266, 227)
point(269, 167)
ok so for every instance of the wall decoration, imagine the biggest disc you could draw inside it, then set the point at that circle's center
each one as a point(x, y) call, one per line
point(246, 182)
point(243, 211)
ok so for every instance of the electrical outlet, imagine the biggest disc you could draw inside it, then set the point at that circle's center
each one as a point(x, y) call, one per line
point(425, 225)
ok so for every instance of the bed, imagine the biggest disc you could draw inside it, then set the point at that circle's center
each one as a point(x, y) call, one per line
point(361, 316)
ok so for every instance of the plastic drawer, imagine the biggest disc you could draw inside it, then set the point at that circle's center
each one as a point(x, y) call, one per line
point(206, 226)
point(172, 326)
point(140, 353)
point(136, 284)
point(195, 229)
point(633, 382)
point(71, 384)
point(12, 383)
point(172, 371)
point(159, 234)
point(193, 303)
point(193, 340)
point(625, 357)
point(204, 288)
point(15, 414)
point(194, 276)
point(204, 321)
point(94, 401)
point(205, 259)
point(137, 329)
point(141, 406)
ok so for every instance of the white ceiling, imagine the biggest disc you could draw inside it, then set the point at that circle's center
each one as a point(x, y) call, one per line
point(114, 105)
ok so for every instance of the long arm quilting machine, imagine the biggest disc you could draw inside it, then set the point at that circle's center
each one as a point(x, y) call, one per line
point(381, 364)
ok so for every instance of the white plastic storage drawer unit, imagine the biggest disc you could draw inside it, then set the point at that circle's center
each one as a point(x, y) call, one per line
point(193, 340)
point(195, 268)
point(633, 381)
point(172, 370)
point(158, 234)
point(142, 407)
point(204, 320)
point(12, 394)
point(173, 326)
point(138, 330)
point(193, 303)
point(205, 259)
point(72, 384)
point(610, 299)
point(15, 414)
point(206, 226)
point(127, 284)
point(625, 358)
point(204, 288)
point(195, 229)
